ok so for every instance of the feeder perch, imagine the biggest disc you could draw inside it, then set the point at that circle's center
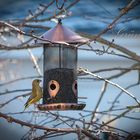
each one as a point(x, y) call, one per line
point(60, 89)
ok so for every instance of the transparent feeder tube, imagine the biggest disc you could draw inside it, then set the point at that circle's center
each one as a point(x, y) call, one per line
point(60, 56)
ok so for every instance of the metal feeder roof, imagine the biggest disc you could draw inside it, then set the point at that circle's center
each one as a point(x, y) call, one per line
point(61, 33)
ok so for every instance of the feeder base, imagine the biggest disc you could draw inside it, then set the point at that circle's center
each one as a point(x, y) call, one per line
point(61, 106)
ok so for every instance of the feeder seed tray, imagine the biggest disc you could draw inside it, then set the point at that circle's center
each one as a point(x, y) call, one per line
point(61, 106)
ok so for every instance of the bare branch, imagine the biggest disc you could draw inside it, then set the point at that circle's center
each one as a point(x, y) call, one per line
point(122, 49)
point(110, 82)
point(98, 102)
point(45, 7)
point(69, 130)
point(19, 79)
point(7, 102)
point(121, 115)
point(35, 62)
point(124, 11)
point(59, 13)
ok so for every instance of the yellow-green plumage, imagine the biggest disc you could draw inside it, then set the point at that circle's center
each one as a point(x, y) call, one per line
point(36, 94)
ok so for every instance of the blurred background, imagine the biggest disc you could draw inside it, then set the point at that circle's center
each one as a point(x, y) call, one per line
point(91, 17)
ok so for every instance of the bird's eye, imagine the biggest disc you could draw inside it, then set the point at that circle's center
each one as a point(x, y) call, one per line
point(38, 81)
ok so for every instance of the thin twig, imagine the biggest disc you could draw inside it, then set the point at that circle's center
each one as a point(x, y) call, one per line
point(98, 102)
point(14, 91)
point(121, 115)
point(7, 102)
point(110, 82)
point(117, 97)
point(19, 79)
point(35, 62)
point(56, 15)
point(45, 7)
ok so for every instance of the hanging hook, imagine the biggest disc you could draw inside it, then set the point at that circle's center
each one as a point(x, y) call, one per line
point(60, 7)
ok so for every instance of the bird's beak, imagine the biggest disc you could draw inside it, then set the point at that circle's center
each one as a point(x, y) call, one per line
point(40, 83)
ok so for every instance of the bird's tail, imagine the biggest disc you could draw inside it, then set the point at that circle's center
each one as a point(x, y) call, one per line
point(26, 105)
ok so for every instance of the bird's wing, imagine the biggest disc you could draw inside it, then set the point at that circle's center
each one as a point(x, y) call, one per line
point(29, 99)
point(39, 91)
point(34, 91)
point(33, 94)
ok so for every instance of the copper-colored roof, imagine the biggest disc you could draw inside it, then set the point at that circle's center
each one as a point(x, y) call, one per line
point(61, 33)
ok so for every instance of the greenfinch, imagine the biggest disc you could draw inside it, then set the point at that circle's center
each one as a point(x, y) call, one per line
point(36, 94)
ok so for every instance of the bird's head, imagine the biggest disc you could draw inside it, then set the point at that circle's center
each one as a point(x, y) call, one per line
point(36, 81)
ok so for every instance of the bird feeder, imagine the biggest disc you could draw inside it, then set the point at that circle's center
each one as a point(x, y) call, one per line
point(60, 89)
